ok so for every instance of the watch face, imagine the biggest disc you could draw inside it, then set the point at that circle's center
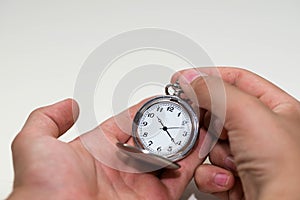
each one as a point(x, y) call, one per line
point(166, 126)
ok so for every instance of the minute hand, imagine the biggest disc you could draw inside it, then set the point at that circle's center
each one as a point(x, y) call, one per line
point(174, 128)
point(172, 139)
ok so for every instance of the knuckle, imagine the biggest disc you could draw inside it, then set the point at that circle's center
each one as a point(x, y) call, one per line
point(36, 112)
point(199, 83)
point(233, 74)
point(16, 142)
point(202, 179)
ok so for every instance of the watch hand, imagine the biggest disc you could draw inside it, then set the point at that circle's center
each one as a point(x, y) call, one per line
point(172, 139)
point(159, 120)
point(166, 130)
point(174, 128)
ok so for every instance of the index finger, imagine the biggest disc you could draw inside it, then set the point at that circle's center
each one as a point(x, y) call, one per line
point(176, 181)
point(252, 84)
point(101, 142)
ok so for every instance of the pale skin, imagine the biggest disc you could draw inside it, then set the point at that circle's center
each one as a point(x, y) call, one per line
point(46, 168)
point(260, 142)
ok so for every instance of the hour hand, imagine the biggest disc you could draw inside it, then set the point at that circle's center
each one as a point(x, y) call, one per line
point(159, 120)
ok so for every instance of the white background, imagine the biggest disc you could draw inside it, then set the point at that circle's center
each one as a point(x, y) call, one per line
point(43, 44)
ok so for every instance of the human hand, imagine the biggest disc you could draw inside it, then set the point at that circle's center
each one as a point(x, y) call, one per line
point(260, 141)
point(46, 168)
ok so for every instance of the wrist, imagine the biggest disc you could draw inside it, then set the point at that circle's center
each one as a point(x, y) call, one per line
point(280, 190)
point(284, 185)
point(28, 193)
point(35, 194)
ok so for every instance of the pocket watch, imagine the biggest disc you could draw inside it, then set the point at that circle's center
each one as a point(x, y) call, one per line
point(165, 127)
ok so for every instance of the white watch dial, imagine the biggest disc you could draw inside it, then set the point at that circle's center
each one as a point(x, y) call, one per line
point(166, 128)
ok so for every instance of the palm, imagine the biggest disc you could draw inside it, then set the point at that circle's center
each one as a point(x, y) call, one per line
point(74, 170)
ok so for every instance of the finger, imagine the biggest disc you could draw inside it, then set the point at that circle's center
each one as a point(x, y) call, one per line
point(207, 90)
point(213, 179)
point(53, 120)
point(235, 193)
point(221, 156)
point(101, 142)
point(215, 128)
point(177, 180)
point(222, 195)
point(251, 83)
point(224, 101)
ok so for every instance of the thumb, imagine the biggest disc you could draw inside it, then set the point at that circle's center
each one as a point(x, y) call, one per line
point(53, 120)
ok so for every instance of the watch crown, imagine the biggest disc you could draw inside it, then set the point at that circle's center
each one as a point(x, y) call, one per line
point(176, 90)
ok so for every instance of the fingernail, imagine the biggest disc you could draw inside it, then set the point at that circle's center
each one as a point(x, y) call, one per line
point(229, 163)
point(221, 179)
point(192, 74)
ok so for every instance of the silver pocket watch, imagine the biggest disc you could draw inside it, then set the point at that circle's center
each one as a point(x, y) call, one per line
point(164, 129)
